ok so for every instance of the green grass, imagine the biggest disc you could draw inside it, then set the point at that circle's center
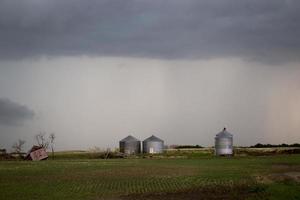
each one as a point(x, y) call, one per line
point(72, 178)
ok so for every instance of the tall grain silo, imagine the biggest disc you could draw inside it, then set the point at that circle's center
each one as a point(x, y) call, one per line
point(224, 143)
point(130, 145)
point(153, 145)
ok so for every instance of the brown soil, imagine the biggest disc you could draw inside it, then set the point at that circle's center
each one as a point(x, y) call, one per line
point(285, 177)
point(281, 173)
point(214, 193)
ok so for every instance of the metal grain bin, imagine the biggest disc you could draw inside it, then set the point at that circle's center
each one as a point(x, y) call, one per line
point(224, 143)
point(153, 145)
point(130, 145)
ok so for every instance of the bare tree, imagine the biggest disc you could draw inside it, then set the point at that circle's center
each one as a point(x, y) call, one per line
point(18, 146)
point(51, 140)
point(42, 140)
point(46, 142)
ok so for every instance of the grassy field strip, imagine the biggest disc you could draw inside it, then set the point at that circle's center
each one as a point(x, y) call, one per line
point(102, 179)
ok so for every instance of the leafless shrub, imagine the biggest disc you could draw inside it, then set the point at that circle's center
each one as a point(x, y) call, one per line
point(18, 146)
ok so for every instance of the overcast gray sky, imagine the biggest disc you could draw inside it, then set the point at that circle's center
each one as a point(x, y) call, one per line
point(95, 71)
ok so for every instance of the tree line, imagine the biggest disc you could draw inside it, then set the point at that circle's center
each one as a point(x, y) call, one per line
point(259, 145)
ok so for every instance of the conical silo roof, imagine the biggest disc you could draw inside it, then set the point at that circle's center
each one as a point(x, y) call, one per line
point(129, 138)
point(153, 138)
point(224, 133)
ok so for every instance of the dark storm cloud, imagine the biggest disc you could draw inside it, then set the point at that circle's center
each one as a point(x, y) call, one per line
point(12, 113)
point(266, 30)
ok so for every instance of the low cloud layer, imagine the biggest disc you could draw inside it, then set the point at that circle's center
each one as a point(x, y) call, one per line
point(90, 102)
point(262, 30)
point(13, 114)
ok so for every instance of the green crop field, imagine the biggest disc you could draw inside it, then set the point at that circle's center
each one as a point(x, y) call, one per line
point(264, 177)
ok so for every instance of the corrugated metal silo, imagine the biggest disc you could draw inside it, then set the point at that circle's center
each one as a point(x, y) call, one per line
point(130, 145)
point(153, 145)
point(224, 143)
